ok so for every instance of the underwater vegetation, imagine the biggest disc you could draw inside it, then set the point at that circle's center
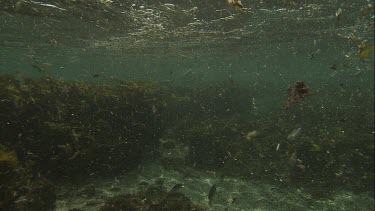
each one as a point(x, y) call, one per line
point(52, 130)
point(68, 127)
point(57, 131)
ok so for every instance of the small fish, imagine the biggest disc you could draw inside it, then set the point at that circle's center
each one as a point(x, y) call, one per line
point(277, 147)
point(177, 187)
point(357, 73)
point(96, 75)
point(21, 199)
point(294, 134)
point(37, 68)
point(333, 67)
point(338, 15)
point(211, 193)
point(333, 74)
point(234, 199)
point(292, 159)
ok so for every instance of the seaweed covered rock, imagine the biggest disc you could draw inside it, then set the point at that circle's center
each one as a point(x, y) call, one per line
point(175, 201)
point(39, 195)
point(20, 190)
point(152, 199)
point(8, 177)
point(76, 129)
point(124, 202)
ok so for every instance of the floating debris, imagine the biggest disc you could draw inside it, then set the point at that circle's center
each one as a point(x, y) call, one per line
point(364, 51)
point(250, 135)
point(169, 5)
point(48, 5)
point(236, 4)
point(296, 93)
point(8, 160)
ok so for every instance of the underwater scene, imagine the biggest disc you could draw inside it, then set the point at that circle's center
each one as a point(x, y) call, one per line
point(183, 105)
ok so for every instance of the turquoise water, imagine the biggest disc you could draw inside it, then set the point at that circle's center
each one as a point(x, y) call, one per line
point(218, 114)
